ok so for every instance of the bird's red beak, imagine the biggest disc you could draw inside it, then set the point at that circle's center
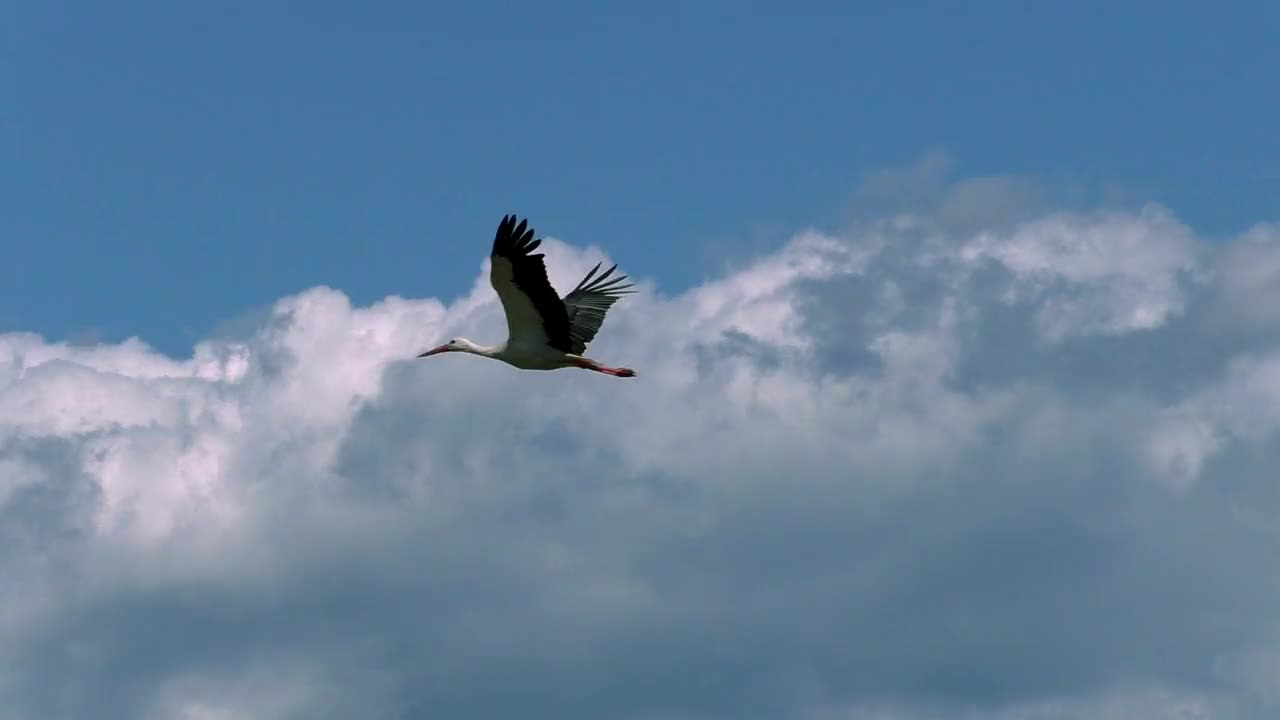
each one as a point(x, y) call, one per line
point(435, 351)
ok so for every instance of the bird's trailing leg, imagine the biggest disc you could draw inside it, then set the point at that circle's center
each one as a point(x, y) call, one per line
point(586, 364)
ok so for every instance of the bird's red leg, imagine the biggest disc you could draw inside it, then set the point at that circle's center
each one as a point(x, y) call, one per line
point(618, 372)
point(593, 365)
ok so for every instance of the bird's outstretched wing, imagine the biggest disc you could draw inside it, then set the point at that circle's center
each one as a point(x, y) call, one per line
point(535, 313)
point(587, 304)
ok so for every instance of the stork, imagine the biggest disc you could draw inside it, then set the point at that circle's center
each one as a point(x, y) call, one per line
point(544, 331)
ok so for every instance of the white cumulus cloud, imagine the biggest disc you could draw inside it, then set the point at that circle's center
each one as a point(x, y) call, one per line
point(912, 468)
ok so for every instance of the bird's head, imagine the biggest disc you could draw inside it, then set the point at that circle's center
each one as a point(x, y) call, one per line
point(454, 345)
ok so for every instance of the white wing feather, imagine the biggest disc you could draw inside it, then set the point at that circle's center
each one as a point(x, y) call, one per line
point(524, 324)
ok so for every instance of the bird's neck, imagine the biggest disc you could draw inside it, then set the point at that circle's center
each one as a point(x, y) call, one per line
point(474, 349)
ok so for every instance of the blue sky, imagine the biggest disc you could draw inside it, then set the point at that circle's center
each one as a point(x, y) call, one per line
point(170, 165)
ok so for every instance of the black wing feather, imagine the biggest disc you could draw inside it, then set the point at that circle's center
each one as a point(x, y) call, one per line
point(589, 302)
point(516, 244)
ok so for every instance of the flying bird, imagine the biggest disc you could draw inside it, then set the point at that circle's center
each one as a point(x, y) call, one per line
point(544, 331)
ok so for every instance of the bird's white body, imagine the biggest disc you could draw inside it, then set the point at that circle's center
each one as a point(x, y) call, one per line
point(545, 332)
point(533, 357)
point(525, 356)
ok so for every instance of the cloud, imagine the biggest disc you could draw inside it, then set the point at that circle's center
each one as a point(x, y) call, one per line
point(935, 464)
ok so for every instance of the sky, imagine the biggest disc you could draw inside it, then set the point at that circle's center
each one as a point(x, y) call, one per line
point(958, 341)
point(167, 166)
